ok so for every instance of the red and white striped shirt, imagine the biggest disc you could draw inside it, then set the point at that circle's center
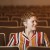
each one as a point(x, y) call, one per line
point(21, 40)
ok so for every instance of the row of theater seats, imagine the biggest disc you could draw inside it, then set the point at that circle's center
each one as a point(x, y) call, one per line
point(19, 10)
point(6, 33)
point(29, 48)
point(16, 21)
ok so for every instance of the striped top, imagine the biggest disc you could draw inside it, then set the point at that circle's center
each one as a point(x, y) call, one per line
point(22, 41)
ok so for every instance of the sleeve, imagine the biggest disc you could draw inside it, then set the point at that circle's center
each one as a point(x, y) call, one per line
point(13, 40)
point(46, 40)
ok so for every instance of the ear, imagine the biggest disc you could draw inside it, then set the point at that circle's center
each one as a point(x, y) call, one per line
point(25, 24)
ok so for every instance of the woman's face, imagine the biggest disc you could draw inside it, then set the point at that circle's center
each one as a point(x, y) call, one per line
point(31, 23)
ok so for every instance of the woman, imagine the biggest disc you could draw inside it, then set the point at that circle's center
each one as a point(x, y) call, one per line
point(29, 37)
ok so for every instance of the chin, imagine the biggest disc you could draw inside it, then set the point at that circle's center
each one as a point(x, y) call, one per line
point(34, 29)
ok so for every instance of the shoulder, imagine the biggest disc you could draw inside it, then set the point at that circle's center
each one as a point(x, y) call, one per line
point(21, 33)
point(40, 32)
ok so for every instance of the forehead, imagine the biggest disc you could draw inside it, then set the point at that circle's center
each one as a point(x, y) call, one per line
point(32, 18)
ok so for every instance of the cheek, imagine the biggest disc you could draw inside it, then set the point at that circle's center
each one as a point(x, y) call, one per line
point(30, 25)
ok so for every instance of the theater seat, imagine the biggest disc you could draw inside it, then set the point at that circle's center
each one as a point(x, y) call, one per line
point(8, 23)
point(2, 39)
point(39, 48)
point(16, 19)
point(42, 23)
point(9, 48)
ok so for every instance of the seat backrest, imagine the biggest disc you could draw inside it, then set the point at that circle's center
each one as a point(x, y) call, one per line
point(42, 23)
point(2, 39)
point(2, 18)
point(9, 48)
point(38, 48)
point(8, 23)
point(16, 19)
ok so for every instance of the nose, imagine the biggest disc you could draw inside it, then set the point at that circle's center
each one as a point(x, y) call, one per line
point(35, 23)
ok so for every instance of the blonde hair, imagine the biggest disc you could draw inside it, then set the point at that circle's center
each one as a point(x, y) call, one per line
point(27, 15)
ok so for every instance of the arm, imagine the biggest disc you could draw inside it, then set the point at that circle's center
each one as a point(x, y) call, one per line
point(46, 40)
point(13, 40)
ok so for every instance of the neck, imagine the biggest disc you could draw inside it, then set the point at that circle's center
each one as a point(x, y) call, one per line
point(28, 32)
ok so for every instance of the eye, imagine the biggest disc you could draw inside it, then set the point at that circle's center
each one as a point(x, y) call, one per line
point(34, 21)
